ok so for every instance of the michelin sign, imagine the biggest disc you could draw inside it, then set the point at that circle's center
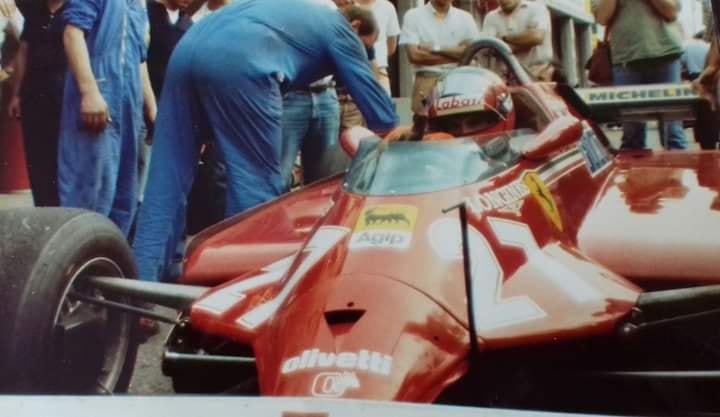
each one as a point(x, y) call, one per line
point(637, 93)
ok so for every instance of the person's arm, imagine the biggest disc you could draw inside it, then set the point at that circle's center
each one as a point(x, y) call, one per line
point(537, 29)
point(392, 42)
point(7, 8)
point(705, 85)
point(149, 100)
point(351, 68)
point(604, 10)
point(417, 52)
point(667, 9)
point(524, 41)
point(471, 33)
point(93, 108)
point(713, 57)
point(19, 72)
point(423, 55)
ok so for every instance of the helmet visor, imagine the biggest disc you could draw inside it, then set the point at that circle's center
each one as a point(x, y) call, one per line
point(460, 125)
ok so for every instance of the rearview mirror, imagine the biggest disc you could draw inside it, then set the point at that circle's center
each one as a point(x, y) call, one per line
point(558, 134)
point(350, 139)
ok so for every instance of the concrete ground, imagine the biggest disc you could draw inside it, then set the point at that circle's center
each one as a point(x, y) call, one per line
point(148, 378)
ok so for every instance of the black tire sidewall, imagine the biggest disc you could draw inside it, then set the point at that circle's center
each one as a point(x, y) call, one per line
point(75, 241)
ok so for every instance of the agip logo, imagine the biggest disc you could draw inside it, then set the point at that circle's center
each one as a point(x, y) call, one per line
point(385, 226)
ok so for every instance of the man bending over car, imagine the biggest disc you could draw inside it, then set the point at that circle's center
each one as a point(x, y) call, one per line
point(228, 74)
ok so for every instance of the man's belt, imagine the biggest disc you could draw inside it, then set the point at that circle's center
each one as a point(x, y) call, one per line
point(316, 89)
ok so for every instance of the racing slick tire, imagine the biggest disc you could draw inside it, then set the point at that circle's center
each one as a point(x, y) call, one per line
point(53, 342)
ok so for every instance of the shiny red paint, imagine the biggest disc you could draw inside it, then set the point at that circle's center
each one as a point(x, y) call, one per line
point(561, 132)
point(664, 212)
point(391, 322)
point(278, 229)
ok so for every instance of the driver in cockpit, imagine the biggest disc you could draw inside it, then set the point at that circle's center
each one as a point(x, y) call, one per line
point(469, 101)
point(466, 101)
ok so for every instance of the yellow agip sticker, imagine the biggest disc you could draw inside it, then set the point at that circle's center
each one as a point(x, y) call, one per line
point(385, 226)
point(544, 197)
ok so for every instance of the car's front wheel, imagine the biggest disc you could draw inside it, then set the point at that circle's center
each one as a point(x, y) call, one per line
point(56, 337)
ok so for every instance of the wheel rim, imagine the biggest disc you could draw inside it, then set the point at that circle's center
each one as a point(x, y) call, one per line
point(91, 342)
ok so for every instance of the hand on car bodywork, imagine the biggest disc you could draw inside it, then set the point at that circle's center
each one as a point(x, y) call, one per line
point(400, 134)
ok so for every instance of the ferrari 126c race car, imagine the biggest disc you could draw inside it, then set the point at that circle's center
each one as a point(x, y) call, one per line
point(534, 269)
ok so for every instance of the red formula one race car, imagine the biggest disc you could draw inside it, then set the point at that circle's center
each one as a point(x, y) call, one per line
point(530, 268)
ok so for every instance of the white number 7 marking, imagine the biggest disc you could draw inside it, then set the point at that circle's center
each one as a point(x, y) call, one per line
point(223, 300)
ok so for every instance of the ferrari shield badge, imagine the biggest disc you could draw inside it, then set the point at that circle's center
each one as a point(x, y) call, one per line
point(385, 226)
point(544, 198)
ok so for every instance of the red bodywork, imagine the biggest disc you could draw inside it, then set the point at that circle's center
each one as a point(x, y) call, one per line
point(334, 305)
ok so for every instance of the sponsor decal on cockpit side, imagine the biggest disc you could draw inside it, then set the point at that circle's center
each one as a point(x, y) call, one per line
point(510, 198)
point(597, 158)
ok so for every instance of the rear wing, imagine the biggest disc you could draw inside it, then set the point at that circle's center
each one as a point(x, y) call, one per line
point(661, 102)
point(634, 103)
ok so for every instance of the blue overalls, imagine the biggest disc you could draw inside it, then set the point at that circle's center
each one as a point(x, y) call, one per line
point(99, 171)
point(228, 74)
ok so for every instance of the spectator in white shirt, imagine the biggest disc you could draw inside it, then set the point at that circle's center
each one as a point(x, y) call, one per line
point(388, 32)
point(435, 36)
point(526, 27)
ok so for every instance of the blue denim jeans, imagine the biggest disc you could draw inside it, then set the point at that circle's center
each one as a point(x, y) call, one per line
point(663, 72)
point(311, 124)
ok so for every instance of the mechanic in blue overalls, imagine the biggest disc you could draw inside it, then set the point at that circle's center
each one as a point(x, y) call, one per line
point(229, 72)
point(106, 45)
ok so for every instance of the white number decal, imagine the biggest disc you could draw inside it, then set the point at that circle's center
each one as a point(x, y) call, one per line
point(221, 301)
point(491, 310)
point(325, 239)
point(512, 233)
